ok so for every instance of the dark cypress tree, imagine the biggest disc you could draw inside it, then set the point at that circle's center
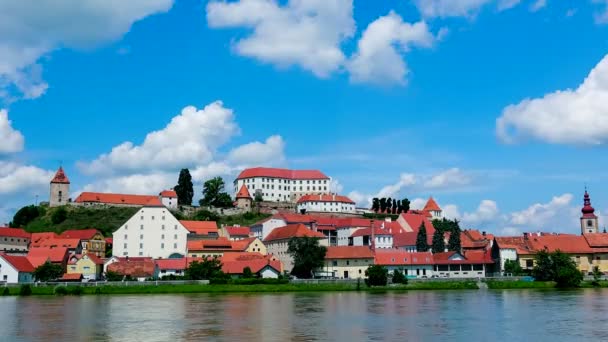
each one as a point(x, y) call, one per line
point(394, 206)
point(184, 188)
point(454, 241)
point(422, 244)
point(389, 205)
point(382, 205)
point(375, 204)
point(399, 207)
point(438, 242)
point(405, 203)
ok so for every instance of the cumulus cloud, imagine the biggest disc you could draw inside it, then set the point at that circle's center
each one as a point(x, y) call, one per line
point(336, 187)
point(448, 178)
point(30, 29)
point(507, 4)
point(304, 33)
point(571, 116)
point(538, 214)
point(378, 57)
point(538, 5)
point(486, 212)
point(360, 199)
point(23, 179)
point(139, 184)
point(406, 179)
point(258, 153)
point(12, 139)
point(417, 203)
point(449, 8)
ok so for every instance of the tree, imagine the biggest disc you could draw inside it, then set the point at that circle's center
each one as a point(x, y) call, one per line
point(405, 205)
point(59, 215)
point(205, 215)
point(382, 205)
point(557, 267)
point(247, 273)
point(114, 276)
point(376, 276)
point(26, 215)
point(438, 242)
point(389, 205)
point(204, 270)
point(454, 241)
point(513, 267)
point(543, 271)
point(257, 200)
point(48, 271)
point(375, 204)
point(597, 276)
point(214, 194)
point(394, 206)
point(398, 277)
point(184, 188)
point(307, 256)
point(422, 244)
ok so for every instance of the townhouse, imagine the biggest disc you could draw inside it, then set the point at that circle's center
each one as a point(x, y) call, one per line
point(277, 242)
point(14, 240)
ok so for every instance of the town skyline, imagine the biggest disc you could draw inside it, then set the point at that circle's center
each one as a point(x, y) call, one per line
point(222, 105)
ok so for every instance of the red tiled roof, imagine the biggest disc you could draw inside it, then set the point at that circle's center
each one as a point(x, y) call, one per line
point(109, 240)
point(395, 257)
point(175, 264)
point(416, 220)
point(281, 173)
point(238, 231)
point(295, 218)
point(431, 205)
point(136, 267)
point(241, 245)
point(471, 257)
point(71, 276)
point(55, 254)
point(233, 256)
point(37, 237)
point(409, 239)
point(473, 239)
point(168, 193)
point(368, 232)
point(82, 234)
point(20, 263)
point(55, 243)
point(15, 232)
point(243, 192)
point(292, 231)
point(219, 244)
point(325, 198)
point(518, 243)
point(95, 259)
point(98, 197)
point(256, 265)
point(349, 252)
point(60, 177)
point(597, 240)
point(563, 242)
point(200, 227)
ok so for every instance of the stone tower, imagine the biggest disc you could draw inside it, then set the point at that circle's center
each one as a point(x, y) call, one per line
point(60, 189)
point(243, 199)
point(589, 221)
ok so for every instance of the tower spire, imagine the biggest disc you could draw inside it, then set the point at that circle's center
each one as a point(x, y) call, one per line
point(589, 221)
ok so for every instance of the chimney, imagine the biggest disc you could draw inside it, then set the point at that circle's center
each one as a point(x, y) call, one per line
point(526, 236)
point(483, 233)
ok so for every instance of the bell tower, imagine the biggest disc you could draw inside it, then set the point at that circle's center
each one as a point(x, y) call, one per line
point(589, 221)
point(60, 189)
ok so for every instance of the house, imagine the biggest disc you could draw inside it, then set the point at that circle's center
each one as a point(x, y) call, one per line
point(277, 241)
point(380, 236)
point(252, 245)
point(261, 266)
point(471, 239)
point(139, 268)
point(169, 199)
point(14, 240)
point(91, 240)
point(433, 208)
point(209, 248)
point(411, 223)
point(89, 266)
point(282, 185)
point(264, 227)
point(54, 255)
point(325, 203)
point(174, 267)
point(201, 229)
point(243, 199)
point(151, 232)
point(15, 269)
point(474, 264)
point(347, 262)
point(39, 237)
point(72, 245)
point(599, 244)
point(236, 233)
point(512, 248)
point(412, 265)
point(71, 277)
point(575, 246)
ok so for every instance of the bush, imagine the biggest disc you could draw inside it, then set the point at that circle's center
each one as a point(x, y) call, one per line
point(97, 291)
point(25, 290)
point(247, 272)
point(60, 290)
point(398, 277)
point(60, 215)
point(376, 276)
point(6, 291)
point(568, 277)
point(75, 290)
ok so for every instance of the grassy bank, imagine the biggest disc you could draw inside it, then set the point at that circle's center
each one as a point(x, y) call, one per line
point(517, 284)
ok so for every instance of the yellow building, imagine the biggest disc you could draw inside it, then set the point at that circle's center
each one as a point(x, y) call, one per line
point(92, 240)
point(88, 265)
point(347, 262)
point(252, 245)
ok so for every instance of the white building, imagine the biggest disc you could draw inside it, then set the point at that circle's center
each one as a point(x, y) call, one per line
point(152, 232)
point(277, 242)
point(326, 204)
point(382, 238)
point(282, 185)
point(14, 240)
point(347, 262)
point(169, 199)
point(15, 269)
point(412, 265)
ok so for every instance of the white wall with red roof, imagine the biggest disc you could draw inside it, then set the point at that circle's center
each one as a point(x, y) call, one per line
point(326, 204)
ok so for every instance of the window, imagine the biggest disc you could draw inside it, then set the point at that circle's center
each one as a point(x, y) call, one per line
point(334, 263)
point(152, 217)
point(141, 253)
point(163, 218)
point(141, 237)
point(162, 236)
point(126, 227)
point(175, 228)
point(347, 262)
point(162, 246)
point(142, 217)
point(141, 227)
point(175, 246)
point(162, 227)
point(125, 253)
point(141, 245)
point(529, 263)
point(175, 236)
point(125, 245)
point(125, 236)
point(589, 223)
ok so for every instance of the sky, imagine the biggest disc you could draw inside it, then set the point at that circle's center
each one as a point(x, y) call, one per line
point(496, 108)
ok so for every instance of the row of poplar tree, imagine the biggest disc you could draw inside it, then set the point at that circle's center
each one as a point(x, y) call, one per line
point(438, 243)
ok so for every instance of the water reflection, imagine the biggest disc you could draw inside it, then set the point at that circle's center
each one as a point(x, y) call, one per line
point(416, 316)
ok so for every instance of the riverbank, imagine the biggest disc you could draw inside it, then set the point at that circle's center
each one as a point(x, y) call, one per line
point(511, 284)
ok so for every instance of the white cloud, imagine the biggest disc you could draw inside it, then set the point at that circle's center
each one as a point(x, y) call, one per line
point(451, 212)
point(578, 116)
point(538, 5)
point(449, 8)
point(507, 4)
point(406, 179)
point(268, 153)
point(486, 212)
point(30, 29)
point(417, 203)
point(335, 187)
point(360, 199)
point(378, 57)
point(448, 178)
point(12, 139)
point(306, 33)
point(23, 179)
point(539, 215)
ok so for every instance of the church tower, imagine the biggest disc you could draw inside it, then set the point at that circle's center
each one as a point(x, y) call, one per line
point(589, 222)
point(60, 189)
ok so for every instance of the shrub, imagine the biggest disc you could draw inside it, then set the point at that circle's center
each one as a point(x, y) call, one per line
point(97, 291)
point(25, 290)
point(75, 290)
point(59, 215)
point(398, 277)
point(60, 290)
point(6, 291)
point(247, 272)
point(376, 276)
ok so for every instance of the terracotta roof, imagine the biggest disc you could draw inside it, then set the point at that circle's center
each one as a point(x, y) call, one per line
point(136, 267)
point(473, 239)
point(168, 193)
point(71, 276)
point(471, 257)
point(54, 254)
point(291, 231)
point(94, 258)
point(20, 263)
point(281, 173)
point(109, 240)
point(243, 192)
point(200, 227)
point(175, 264)
point(15, 232)
point(242, 245)
point(37, 237)
point(563, 242)
point(416, 220)
point(295, 218)
point(597, 240)
point(98, 197)
point(407, 239)
point(431, 205)
point(396, 257)
point(325, 198)
point(60, 177)
point(518, 243)
point(82, 234)
point(238, 231)
point(55, 243)
point(256, 265)
point(368, 232)
point(218, 244)
point(349, 252)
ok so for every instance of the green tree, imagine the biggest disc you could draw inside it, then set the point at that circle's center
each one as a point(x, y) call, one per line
point(114, 276)
point(307, 256)
point(184, 188)
point(376, 276)
point(454, 240)
point(48, 271)
point(405, 205)
point(247, 273)
point(422, 244)
point(214, 194)
point(558, 267)
point(26, 215)
point(375, 204)
point(597, 276)
point(59, 215)
point(513, 267)
point(389, 205)
point(438, 242)
point(257, 200)
point(382, 205)
point(205, 215)
point(544, 270)
point(203, 270)
point(568, 277)
point(394, 206)
point(398, 277)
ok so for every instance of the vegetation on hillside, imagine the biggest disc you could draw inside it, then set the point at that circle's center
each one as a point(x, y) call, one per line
point(214, 194)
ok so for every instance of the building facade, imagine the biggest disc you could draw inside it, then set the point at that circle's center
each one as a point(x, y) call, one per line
point(15, 269)
point(277, 242)
point(91, 240)
point(14, 240)
point(334, 204)
point(169, 199)
point(282, 185)
point(60, 189)
point(348, 262)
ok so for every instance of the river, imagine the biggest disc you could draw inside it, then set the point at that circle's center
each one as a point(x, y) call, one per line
point(508, 315)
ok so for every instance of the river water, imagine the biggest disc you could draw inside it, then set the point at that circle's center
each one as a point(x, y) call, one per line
point(509, 315)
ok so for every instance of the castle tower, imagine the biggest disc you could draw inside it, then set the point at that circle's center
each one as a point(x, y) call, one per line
point(433, 208)
point(243, 199)
point(589, 221)
point(60, 189)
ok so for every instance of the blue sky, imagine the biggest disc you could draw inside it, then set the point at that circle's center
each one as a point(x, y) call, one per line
point(398, 98)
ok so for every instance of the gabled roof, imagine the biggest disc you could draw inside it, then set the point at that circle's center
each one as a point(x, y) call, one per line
point(325, 198)
point(597, 240)
point(175, 264)
point(256, 265)
point(431, 205)
point(71, 276)
point(219, 244)
point(281, 173)
point(368, 232)
point(57, 243)
point(138, 267)
point(81, 234)
point(60, 177)
point(243, 192)
point(292, 231)
point(238, 231)
point(416, 220)
point(241, 245)
point(396, 257)
point(469, 258)
point(55, 254)
point(37, 237)
point(563, 242)
point(14, 232)
point(349, 252)
point(200, 227)
point(518, 243)
point(94, 258)
point(20, 263)
point(98, 197)
point(168, 193)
